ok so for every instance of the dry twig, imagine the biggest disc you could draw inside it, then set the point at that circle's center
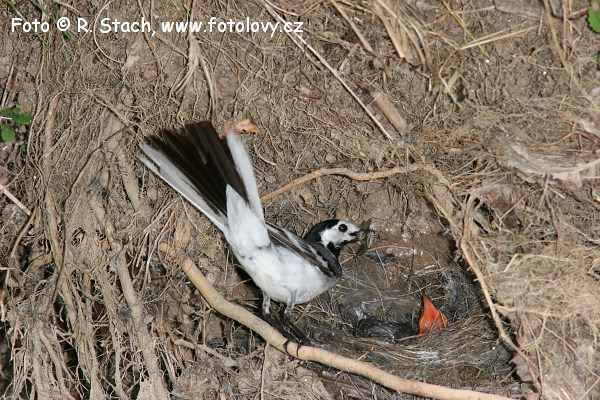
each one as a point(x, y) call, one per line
point(12, 198)
point(357, 176)
point(143, 336)
point(480, 278)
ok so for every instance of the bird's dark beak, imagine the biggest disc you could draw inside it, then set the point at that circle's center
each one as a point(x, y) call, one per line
point(366, 236)
point(366, 231)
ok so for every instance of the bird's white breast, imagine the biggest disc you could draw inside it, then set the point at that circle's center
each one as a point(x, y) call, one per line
point(280, 273)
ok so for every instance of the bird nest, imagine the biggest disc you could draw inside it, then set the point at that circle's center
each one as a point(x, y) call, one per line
point(467, 133)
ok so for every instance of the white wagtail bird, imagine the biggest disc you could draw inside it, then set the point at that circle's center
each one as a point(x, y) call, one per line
point(217, 178)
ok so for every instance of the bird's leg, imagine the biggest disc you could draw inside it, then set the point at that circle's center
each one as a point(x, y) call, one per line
point(266, 313)
point(296, 333)
point(270, 318)
point(266, 306)
point(267, 316)
point(284, 325)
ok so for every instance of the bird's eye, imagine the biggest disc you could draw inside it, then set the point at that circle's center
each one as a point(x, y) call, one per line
point(343, 228)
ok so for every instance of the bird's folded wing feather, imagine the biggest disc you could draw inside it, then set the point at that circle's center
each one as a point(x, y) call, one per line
point(317, 255)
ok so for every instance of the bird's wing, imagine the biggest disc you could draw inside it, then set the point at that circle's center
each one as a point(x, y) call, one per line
point(314, 253)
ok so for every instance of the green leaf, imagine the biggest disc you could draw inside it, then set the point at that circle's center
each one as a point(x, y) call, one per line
point(594, 19)
point(16, 111)
point(18, 119)
point(7, 133)
point(7, 113)
point(23, 119)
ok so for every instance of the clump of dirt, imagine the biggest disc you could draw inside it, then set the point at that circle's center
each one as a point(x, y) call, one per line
point(467, 132)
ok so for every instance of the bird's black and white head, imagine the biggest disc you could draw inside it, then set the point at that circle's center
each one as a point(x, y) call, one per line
point(334, 234)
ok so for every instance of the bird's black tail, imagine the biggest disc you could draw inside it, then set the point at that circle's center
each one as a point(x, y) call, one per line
point(200, 166)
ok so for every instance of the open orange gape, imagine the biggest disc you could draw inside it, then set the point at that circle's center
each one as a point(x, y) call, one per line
point(432, 319)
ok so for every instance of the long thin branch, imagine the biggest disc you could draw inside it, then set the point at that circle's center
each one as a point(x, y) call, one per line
point(275, 339)
point(145, 339)
point(481, 279)
point(357, 176)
